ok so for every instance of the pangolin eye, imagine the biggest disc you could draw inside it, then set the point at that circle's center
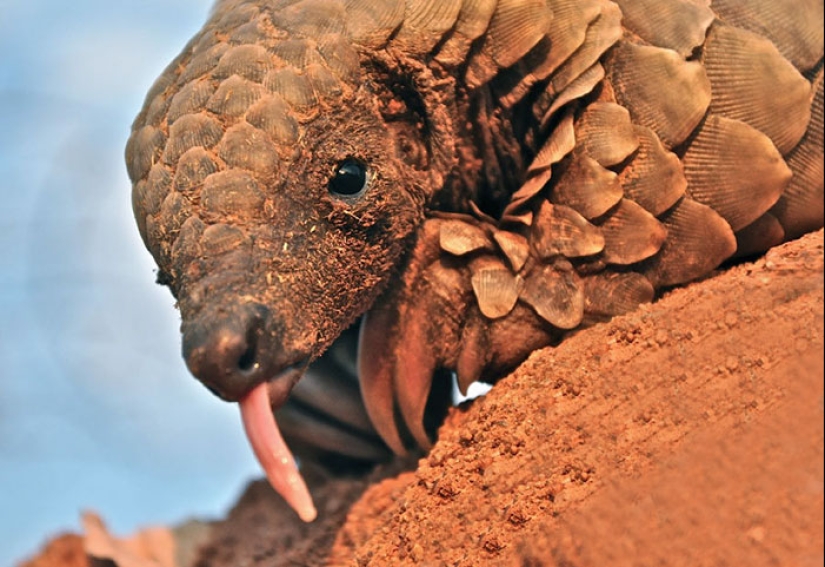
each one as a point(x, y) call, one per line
point(349, 178)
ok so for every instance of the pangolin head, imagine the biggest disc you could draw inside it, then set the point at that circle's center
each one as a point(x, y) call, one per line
point(276, 176)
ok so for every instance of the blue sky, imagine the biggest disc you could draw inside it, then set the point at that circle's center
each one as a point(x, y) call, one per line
point(97, 409)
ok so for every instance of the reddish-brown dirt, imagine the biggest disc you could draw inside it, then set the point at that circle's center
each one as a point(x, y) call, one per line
point(687, 433)
point(65, 550)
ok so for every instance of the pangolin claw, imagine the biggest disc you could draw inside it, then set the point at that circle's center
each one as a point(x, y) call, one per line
point(375, 371)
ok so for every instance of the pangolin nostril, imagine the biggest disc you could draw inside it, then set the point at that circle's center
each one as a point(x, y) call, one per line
point(248, 362)
point(228, 351)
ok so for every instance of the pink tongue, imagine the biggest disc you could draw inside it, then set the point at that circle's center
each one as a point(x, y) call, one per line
point(273, 454)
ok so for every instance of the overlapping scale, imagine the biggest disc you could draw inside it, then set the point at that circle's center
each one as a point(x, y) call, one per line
point(272, 115)
point(232, 194)
point(523, 218)
point(252, 31)
point(605, 133)
point(372, 22)
point(157, 185)
point(227, 15)
point(578, 32)
point(560, 231)
point(587, 187)
point(234, 97)
point(516, 26)
point(631, 234)
point(324, 83)
point(425, 24)
point(162, 230)
point(794, 26)
point(556, 293)
point(679, 25)
point(495, 286)
point(661, 90)
point(222, 238)
point(156, 111)
point(579, 87)
point(568, 33)
point(245, 147)
point(144, 148)
point(568, 28)
point(615, 293)
point(341, 58)
point(735, 169)
point(190, 131)
point(252, 62)
point(654, 177)
point(513, 84)
point(458, 237)
point(310, 18)
point(752, 82)
point(800, 208)
point(194, 166)
point(294, 87)
point(601, 35)
point(202, 63)
point(698, 240)
point(515, 247)
point(192, 98)
point(474, 17)
point(187, 246)
point(472, 22)
point(560, 143)
point(298, 53)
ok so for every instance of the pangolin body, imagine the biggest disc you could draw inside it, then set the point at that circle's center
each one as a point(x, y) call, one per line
point(477, 176)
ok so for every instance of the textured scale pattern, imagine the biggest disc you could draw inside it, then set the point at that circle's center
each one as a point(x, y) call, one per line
point(535, 166)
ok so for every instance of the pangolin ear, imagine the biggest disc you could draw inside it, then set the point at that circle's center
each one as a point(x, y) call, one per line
point(403, 112)
point(416, 113)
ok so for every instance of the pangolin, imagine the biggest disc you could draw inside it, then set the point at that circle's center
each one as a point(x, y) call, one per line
point(396, 192)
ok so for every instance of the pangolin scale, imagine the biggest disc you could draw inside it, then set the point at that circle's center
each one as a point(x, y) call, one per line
point(398, 191)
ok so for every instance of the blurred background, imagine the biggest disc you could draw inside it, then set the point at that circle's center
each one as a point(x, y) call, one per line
point(97, 410)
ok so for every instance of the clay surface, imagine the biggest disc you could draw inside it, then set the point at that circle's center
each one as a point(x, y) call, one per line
point(687, 433)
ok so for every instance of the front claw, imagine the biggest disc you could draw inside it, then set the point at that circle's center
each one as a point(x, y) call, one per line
point(437, 316)
point(324, 419)
point(405, 378)
point(375, 372)
point(409, 333)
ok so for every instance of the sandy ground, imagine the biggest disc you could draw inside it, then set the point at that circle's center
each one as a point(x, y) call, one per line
point(687, 433)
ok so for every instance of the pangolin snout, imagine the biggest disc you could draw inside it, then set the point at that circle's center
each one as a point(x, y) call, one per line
point(234, 350)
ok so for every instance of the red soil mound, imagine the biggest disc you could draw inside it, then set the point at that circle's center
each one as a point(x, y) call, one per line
point(687, 433)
